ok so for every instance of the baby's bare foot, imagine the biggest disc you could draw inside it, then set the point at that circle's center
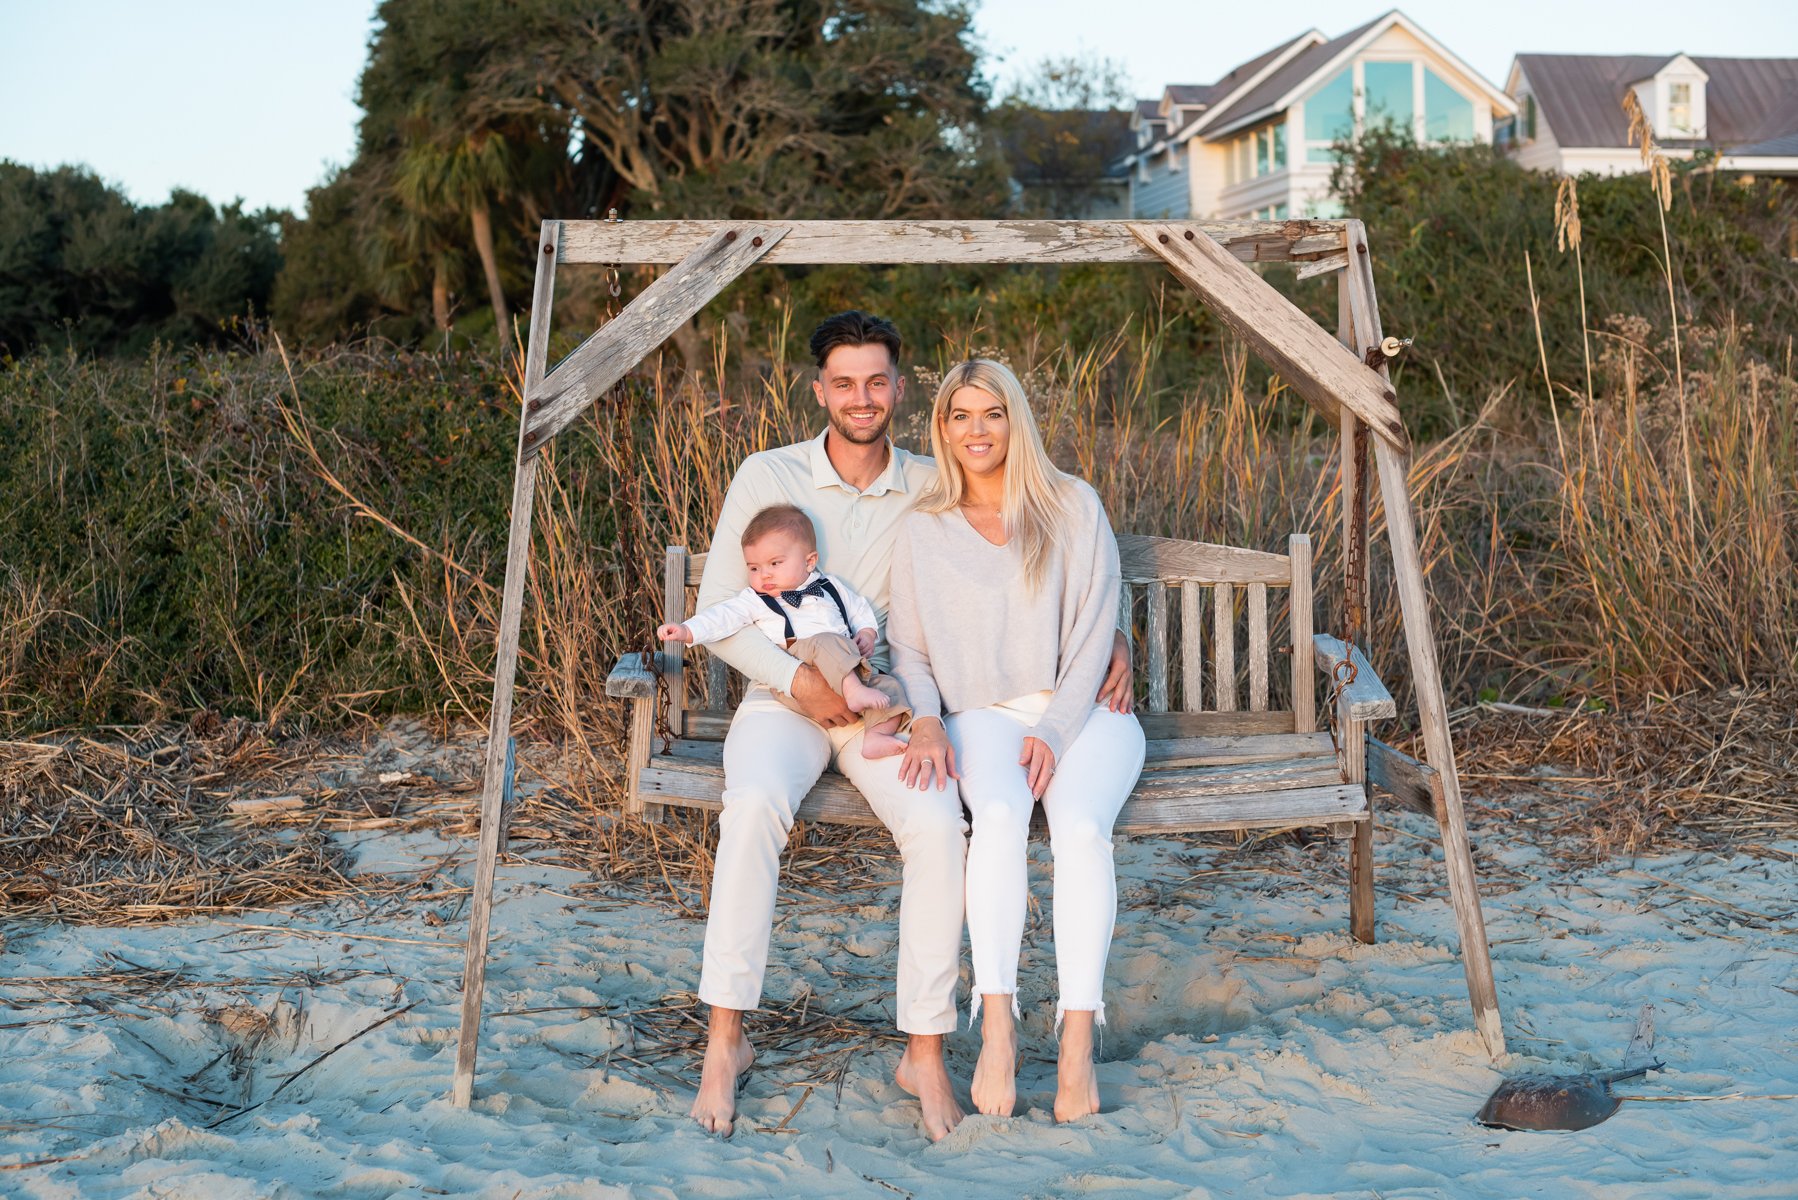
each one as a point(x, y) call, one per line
point(859, 696)
point(881, 745)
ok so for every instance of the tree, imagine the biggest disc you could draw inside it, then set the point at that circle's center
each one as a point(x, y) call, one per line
point(714, 108)
point(1061, 127)
point(80, 262)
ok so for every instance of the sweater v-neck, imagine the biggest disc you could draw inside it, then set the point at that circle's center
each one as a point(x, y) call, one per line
point(970, 527)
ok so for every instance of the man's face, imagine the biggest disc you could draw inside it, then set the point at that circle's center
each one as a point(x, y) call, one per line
point(858, 388)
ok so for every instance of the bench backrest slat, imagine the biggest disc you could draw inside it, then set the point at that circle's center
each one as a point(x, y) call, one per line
point(1159, 636)
point(1156, 636)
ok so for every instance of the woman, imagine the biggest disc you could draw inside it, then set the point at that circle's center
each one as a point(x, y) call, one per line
point(1004, 599)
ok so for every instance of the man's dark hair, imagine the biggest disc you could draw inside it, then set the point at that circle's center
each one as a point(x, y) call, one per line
point(854, 328)
point(786, 519)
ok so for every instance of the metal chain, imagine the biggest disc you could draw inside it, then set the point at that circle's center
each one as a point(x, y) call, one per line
point(1355, 552)
point(647, 648)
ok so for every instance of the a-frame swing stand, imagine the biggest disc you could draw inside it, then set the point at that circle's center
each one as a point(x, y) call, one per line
point(1209, 257)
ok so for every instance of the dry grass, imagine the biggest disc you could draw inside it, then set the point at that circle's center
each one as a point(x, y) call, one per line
point(1709, 770)
point(140, 827)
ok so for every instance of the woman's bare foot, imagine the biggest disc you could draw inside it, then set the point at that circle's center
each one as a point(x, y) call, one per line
point(859, 696)
point(923, 1073)
point(727, 1055)
point(1076, 1081)
point(995, 1088)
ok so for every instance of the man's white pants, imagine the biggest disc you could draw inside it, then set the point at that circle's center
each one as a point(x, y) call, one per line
point(1092, 779)
point(772, 757)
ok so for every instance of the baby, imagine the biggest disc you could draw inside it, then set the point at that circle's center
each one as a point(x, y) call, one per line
point(818, 618)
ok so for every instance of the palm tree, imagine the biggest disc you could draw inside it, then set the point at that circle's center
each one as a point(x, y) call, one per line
point(443, 170)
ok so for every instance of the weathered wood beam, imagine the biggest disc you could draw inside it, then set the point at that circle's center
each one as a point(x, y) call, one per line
point(1316, 366)
point(1415, 785)
point(1043, 242)
point(1366, 699)
point(505, 670)
point(1393, 465)
point(646, 322)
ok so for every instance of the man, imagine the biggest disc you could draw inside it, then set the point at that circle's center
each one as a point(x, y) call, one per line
point(856, 486)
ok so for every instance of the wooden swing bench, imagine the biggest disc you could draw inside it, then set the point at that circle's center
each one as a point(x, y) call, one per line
point(1210, 767)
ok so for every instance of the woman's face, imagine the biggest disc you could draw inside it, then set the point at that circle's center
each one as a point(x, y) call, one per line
point(977, 430)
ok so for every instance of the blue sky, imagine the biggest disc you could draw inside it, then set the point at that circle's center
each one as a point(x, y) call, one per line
point(256, 98)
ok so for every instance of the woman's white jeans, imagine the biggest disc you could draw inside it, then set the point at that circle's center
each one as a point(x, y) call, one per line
point(1092, 780)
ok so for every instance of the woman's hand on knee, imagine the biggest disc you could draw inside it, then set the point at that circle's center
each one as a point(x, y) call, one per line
point(928, 757)
point(1038, 762)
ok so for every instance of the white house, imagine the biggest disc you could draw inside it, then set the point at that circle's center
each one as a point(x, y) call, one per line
point(1570, 119)
point(1258, 142)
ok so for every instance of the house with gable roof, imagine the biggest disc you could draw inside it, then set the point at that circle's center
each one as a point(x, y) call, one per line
point(1741, 113)
point(1260, 141)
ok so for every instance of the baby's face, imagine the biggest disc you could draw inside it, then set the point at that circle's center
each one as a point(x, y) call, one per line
point(778, 562)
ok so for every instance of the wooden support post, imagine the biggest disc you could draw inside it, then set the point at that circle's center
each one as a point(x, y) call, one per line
point(1352, 472)
point(1304, 698)
point(1426, 676)
point(505, 667)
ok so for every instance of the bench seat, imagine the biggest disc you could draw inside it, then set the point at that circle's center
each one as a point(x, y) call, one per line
point(1221, 754)
point(1202, 793)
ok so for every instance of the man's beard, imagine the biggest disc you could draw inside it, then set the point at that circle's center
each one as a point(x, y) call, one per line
point(859, 437)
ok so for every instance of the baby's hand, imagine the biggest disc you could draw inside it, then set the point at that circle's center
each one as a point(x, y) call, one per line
point(864, 641)
point(674, 633)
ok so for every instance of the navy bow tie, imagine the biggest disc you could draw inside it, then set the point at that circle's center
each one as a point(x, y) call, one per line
point(816, 587)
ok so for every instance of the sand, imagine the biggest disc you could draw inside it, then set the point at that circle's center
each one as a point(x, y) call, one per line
point(1253, 1049)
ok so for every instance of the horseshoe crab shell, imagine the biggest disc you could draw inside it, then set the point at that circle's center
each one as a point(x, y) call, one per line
point(1556, 1101)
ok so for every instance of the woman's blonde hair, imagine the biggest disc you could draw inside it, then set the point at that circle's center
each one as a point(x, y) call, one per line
point(1034, 506)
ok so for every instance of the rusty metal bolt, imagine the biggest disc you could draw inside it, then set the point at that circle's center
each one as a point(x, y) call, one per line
point(549, 248)
point(755, 241)
point(1162, 239)
point(534, 405)
point(1189, 235)
point(1360, 247)
point(730, 235)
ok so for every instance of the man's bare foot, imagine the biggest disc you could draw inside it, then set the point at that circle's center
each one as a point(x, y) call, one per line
point(881, 745)
point(727, 1055)
point(923, 1073)
point(860, 697)
point(1076, 1081)
point(995, 1088)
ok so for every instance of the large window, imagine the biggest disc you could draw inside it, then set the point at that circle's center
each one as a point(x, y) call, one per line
point(1330, 116)
point(1255, 153)
point(1387, 95)
point(1372, 94)
point(1447, 114)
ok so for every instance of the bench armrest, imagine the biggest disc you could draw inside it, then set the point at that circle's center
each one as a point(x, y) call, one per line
point(1364, 699)
point(632, 679)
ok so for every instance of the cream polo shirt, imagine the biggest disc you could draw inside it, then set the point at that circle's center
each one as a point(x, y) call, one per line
point(855, 538)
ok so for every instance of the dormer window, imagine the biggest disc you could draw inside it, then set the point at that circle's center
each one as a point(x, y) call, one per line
point(1679, 108)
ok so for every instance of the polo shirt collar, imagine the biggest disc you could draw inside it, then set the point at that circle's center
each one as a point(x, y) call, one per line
point(824, 472)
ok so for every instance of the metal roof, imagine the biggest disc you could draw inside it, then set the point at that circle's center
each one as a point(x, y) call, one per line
point(1748, 101)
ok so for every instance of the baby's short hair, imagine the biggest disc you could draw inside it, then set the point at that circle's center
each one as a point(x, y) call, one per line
point(781, 518)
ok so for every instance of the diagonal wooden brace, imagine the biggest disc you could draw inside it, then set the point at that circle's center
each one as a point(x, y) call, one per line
point(646, 322)
point(1313, 362)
